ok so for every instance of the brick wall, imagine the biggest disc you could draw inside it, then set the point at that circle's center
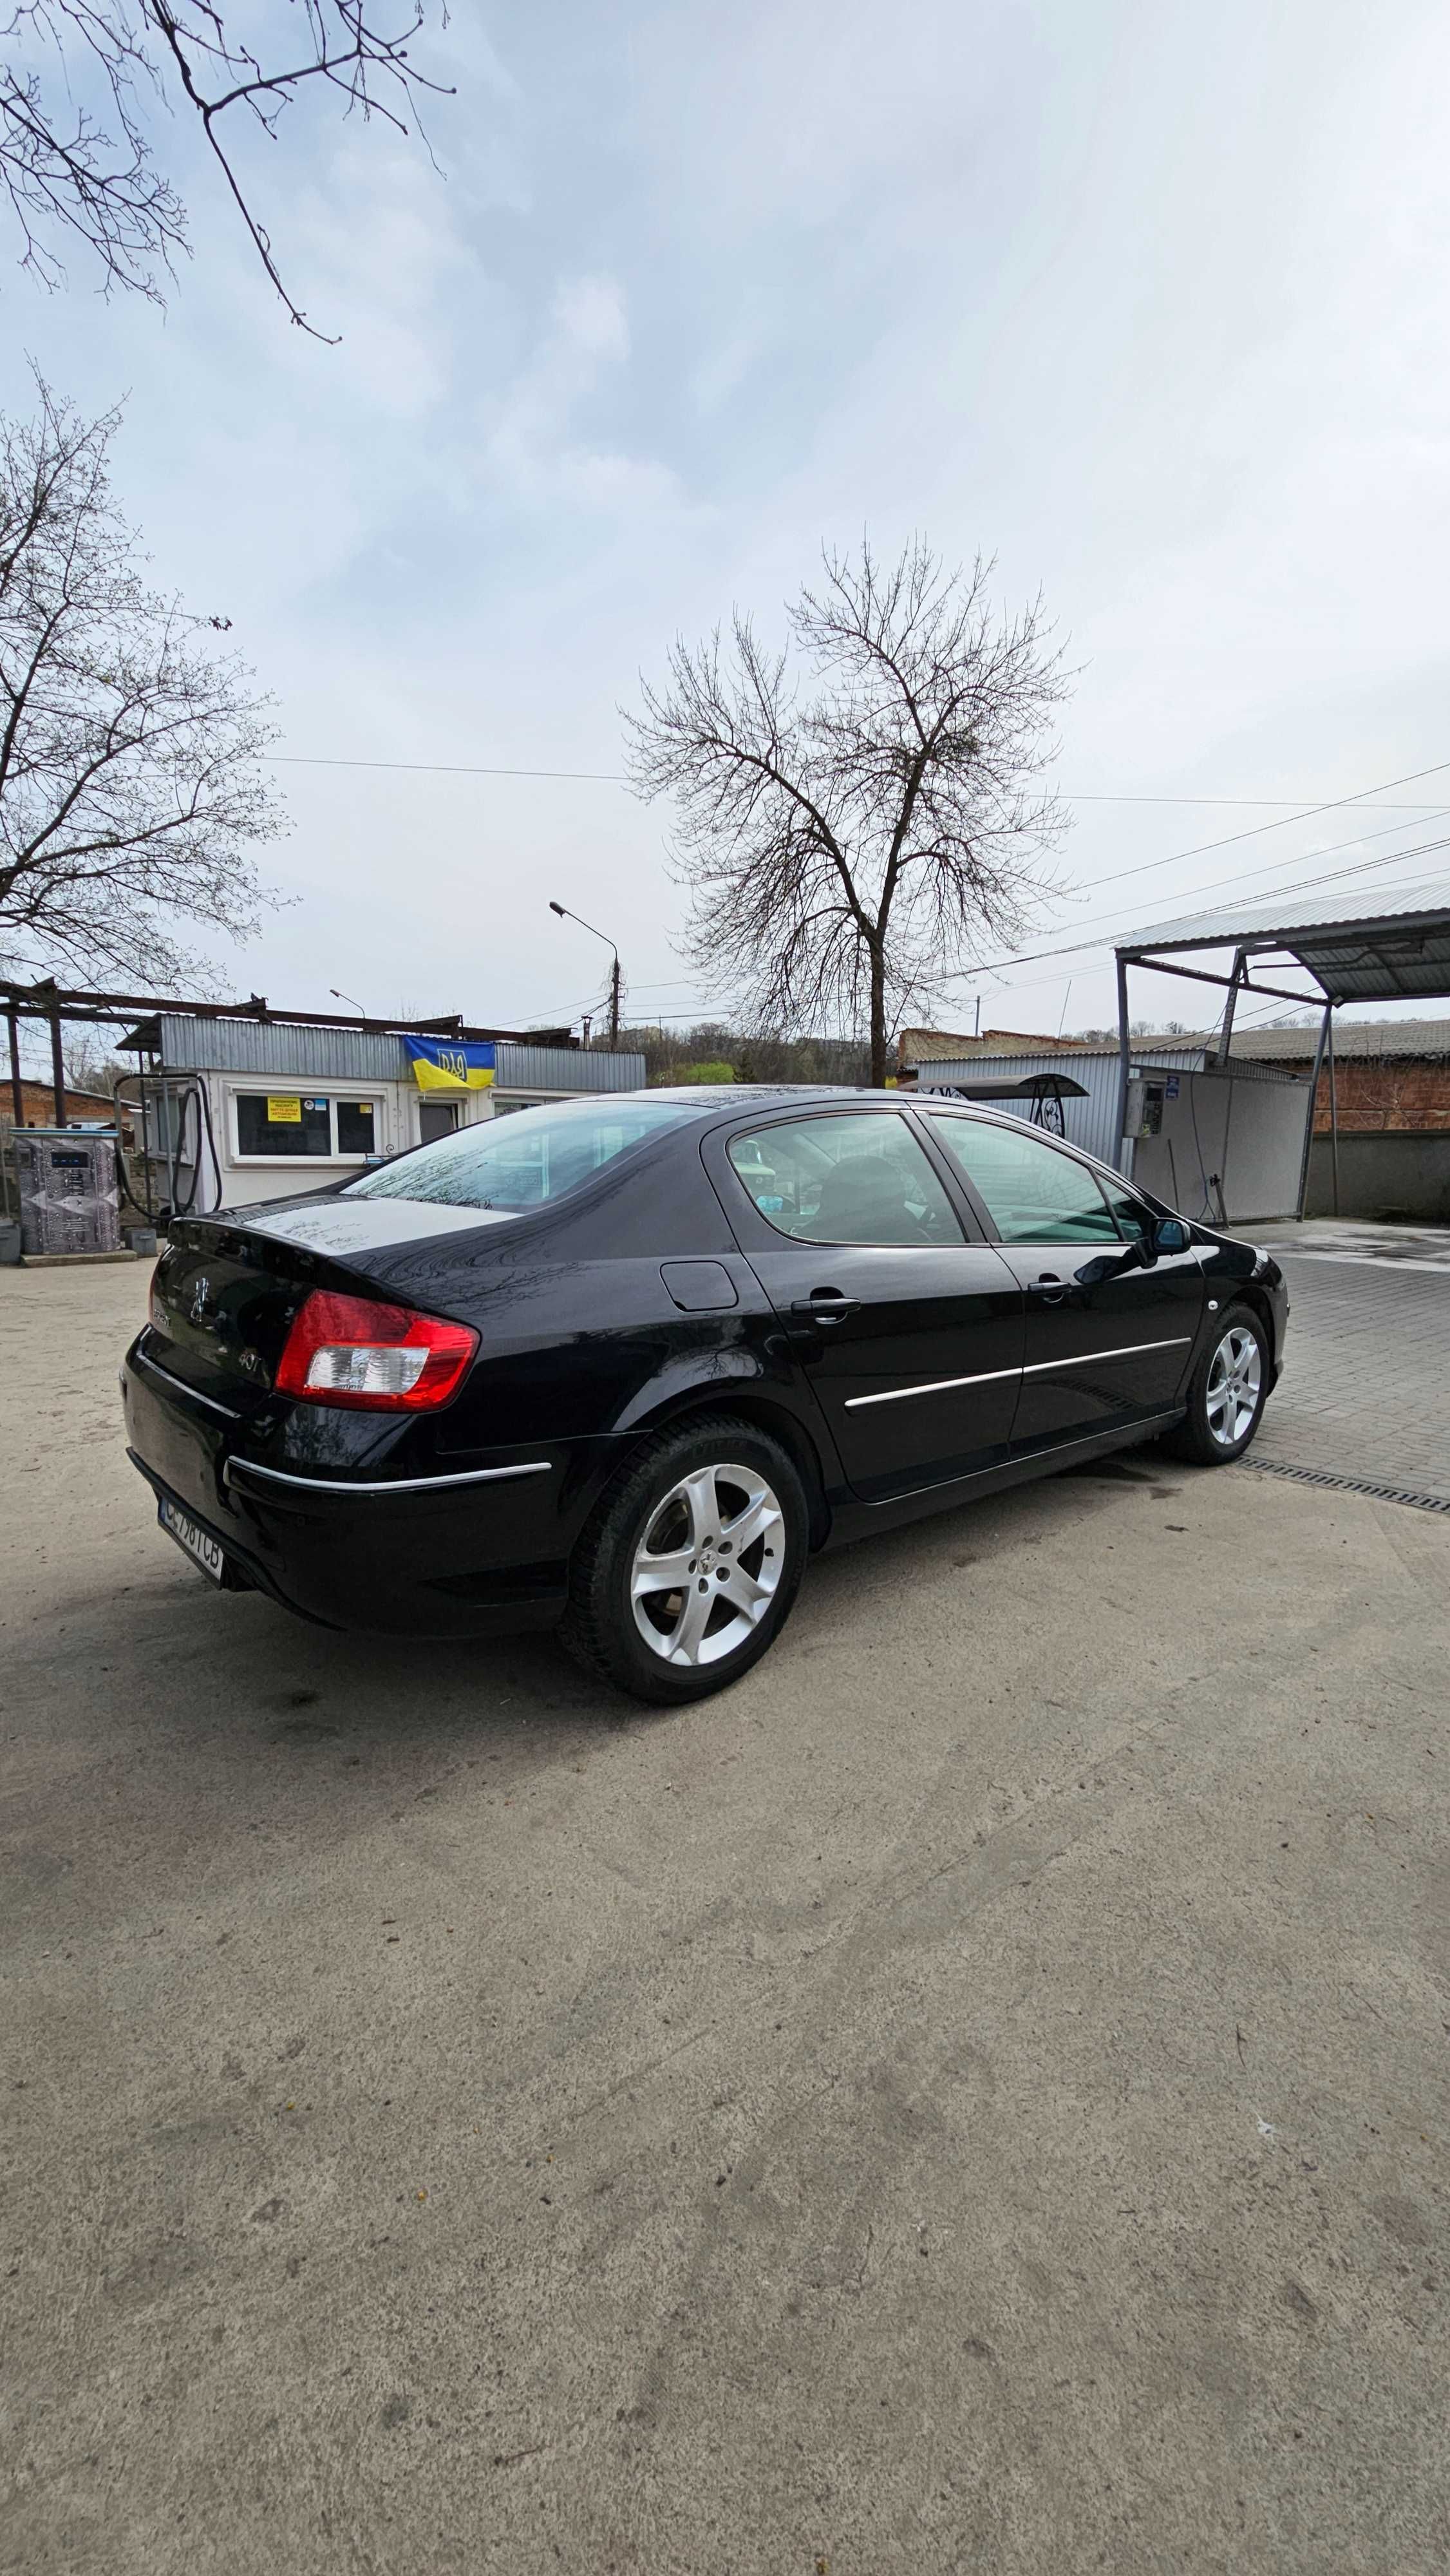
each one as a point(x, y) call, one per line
point(1376, 1094)
point(38, 1102)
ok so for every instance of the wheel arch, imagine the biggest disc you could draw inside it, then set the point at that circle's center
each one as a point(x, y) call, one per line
point(745, 1403)
point(1248, 1292)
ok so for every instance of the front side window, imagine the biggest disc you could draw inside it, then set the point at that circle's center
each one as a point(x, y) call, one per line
point(844, 1180)
point(1032, 1193)
point(524, 1161)
point(1133, 1219)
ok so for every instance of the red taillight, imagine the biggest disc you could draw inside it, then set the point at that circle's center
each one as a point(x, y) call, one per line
point(378, 1359)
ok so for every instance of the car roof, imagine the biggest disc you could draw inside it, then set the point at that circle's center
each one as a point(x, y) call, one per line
point(709, 1097)
point(728, 1099)
point(723, 1101)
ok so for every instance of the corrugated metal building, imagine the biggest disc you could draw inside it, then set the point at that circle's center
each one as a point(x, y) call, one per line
point(1221, 1145)
point(1089, 1122)
point(241, 1109)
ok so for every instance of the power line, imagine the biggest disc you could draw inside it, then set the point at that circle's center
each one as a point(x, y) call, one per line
point(1252, 804)
point(1305, 885)
point(1256, 831)
point(440, 768)
point(1070, 796)
point(1356, 841)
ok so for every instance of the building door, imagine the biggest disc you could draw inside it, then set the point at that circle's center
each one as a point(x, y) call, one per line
point(436, 1118)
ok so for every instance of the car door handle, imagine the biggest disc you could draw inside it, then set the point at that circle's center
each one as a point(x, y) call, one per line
point(1051, 1290)
point(826, 1307)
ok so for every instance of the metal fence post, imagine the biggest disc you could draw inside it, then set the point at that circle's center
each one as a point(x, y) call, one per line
point(1120, 1148)
point(1309, 1115)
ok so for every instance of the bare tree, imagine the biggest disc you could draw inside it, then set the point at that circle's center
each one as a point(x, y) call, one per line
point(129, 791)
point(89, 1065)
point(850, 838)
point(85, 82)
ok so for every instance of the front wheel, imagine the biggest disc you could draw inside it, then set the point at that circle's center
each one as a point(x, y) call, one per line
point(1227, 1392)
point(688, 1570)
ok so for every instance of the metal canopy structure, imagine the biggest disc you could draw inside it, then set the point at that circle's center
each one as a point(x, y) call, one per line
point(49, 1002)
point(1047, 1090)
point(1364, 954)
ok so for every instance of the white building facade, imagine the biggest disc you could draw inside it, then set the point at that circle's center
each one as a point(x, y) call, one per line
point(244, 1110)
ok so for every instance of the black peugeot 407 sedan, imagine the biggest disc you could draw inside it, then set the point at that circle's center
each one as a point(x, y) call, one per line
point(624, 1363)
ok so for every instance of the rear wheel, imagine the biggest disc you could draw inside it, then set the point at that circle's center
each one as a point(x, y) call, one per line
point(1226, 1393)
point(688, 1570)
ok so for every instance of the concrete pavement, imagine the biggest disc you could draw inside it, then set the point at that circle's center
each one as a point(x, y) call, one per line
point(973, 2098)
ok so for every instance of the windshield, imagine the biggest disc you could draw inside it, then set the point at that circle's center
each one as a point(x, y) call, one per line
point(522, 1158)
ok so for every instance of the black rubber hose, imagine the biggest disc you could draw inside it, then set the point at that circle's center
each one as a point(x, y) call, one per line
point(189, 1099)
point(211, 1140)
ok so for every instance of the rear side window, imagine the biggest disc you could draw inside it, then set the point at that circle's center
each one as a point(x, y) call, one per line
point(523, 1161)
point(844, 1180)
point(1032, 1193)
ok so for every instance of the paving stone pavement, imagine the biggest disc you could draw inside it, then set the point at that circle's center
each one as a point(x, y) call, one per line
point(1338, 1239)
point(1366, 1386)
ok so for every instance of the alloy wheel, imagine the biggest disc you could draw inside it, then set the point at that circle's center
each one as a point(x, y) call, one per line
point(1231, 1397)
point(708, 1565)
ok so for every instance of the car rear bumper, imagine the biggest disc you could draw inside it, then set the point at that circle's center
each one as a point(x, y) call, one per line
point(480, 1552)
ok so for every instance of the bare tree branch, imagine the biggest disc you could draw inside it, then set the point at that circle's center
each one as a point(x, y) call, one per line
point(856, 819)
point(86, 172)
point(129, 790)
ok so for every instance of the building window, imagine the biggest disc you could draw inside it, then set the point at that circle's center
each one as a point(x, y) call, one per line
point(277, 1125)
point(283, 1122)
point(356, 1127)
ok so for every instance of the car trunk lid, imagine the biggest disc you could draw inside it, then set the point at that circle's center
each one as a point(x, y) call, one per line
point(226, 1290)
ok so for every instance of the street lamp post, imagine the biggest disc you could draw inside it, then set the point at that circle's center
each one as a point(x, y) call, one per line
point(565, 914)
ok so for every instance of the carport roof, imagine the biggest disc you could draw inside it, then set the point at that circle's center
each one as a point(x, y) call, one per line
point(1363, 954)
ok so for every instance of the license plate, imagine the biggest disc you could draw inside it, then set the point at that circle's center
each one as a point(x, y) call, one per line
point(203, 1551)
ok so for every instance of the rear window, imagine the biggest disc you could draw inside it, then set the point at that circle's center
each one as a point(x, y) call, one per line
point(522, 1161)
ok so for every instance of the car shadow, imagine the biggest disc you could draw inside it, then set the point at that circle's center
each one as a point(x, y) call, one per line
point(214, 1729)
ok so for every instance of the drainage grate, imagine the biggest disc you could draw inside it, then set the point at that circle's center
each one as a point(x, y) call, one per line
point(1350, 1485)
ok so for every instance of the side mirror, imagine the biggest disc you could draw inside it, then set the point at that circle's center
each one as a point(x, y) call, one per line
point(1170, 1234)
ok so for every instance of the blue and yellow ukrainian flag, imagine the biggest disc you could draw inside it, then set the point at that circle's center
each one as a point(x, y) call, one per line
point(450, 1064)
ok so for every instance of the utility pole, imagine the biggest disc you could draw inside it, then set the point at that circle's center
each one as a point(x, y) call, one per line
point(614, 1003)
point(17, 1095)
point(57, 1069)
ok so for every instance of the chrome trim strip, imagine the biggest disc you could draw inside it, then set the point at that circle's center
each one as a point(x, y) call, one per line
point(226, 1410)
point(1125, 1351)
point(1037, 1368)
point(387, 1485)
point(938, 1386)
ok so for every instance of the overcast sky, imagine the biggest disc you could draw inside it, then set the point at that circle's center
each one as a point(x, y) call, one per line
point(1151, 302)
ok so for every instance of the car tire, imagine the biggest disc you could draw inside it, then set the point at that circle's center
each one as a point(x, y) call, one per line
point(1227, 1391)
point(686, 1573)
